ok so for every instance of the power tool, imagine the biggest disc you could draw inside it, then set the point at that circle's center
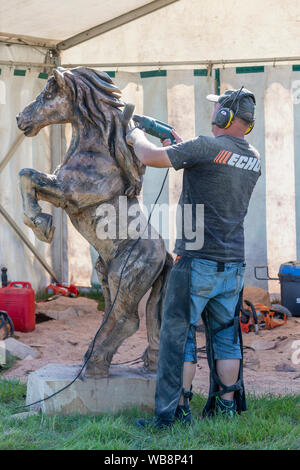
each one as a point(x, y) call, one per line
point(154, 127)
point(260, 316)
point(149, 125)
point(62, 289)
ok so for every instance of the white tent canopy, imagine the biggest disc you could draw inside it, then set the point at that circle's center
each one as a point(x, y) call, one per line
point(184, 49)
point(45, 26)
point(60, 20)
point(176, 30)
point(197, 30)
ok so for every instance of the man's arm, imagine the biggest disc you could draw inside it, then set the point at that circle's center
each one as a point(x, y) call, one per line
point(147, 152)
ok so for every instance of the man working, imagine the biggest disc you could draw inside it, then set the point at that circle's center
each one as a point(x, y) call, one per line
point(220, 173)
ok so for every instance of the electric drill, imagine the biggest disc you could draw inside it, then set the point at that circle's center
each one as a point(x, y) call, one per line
point(153, 127)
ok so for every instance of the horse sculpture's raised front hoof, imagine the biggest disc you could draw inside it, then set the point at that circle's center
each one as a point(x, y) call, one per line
point(41, 226)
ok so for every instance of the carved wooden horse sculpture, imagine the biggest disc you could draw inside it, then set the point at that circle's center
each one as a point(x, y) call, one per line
point(98, 168)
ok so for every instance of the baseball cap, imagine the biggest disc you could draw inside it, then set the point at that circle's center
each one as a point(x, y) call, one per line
point(244, 106)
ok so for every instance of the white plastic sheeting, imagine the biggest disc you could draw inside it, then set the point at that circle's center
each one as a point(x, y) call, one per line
point(16, 91)
point(177, 97)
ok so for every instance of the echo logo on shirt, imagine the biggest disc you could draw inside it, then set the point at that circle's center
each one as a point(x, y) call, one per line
point(239, 161)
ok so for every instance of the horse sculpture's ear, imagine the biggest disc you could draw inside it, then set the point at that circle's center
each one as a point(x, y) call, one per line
point(59, 77)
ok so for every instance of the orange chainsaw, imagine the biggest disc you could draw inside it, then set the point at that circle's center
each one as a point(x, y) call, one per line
point(248, 318)
point(263, 317)
point(271, 317)
point(62, 289)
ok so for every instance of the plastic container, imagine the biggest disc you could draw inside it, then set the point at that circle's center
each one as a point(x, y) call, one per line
point(18, 300)
point(289, 278)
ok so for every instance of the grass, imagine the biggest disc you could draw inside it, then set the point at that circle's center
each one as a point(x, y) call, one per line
point(95, 293)
point(10, 362)
point(42, 295)
point(270, 423)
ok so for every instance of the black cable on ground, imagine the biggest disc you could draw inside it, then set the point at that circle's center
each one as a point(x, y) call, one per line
point(109, 312)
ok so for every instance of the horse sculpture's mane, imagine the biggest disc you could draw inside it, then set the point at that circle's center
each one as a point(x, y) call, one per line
point(98, 101)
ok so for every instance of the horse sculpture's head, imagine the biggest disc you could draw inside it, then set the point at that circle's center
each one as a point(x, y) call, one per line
point(69, 93)
point(90, 99)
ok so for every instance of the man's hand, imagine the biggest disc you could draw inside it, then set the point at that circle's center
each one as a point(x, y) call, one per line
point(147, 152)
point(167, 142)
point(133, 134)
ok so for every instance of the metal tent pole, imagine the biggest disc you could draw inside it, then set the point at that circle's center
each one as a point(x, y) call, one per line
point(207, 63)
point(57, 148)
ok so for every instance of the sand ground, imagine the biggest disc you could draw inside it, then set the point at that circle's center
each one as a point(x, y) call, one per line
point(65, 341)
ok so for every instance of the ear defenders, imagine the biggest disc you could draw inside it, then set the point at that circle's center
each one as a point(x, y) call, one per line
point(225, 116)
point(249, 128)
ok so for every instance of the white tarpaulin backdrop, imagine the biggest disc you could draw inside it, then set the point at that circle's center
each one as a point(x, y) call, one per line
point(185, 30)
point(16, 91)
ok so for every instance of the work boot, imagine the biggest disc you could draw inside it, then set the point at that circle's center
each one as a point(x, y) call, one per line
point(184, 414)
point(155, 423)
point(225, 407)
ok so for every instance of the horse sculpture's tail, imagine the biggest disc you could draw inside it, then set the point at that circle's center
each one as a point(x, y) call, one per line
point(154, 312)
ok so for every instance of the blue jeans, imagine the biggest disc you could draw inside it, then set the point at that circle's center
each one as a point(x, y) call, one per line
point(219, 291)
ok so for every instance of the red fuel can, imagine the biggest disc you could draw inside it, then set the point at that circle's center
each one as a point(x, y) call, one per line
point(18, 300)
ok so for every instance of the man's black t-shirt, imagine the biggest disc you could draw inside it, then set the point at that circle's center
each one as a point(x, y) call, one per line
point(219, 176)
